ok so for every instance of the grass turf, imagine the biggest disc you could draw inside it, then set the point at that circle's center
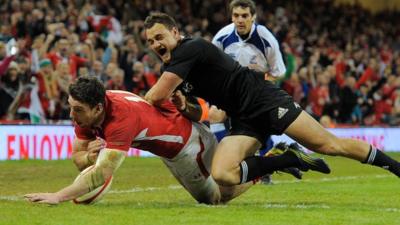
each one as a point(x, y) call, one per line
point(144, 192)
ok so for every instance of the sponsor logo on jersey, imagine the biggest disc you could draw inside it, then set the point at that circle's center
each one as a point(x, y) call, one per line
point(187, 87)
point(282, 112)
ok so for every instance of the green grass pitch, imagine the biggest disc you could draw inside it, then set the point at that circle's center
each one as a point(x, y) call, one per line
point(144, 192)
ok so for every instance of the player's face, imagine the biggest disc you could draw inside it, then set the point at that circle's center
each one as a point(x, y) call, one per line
point(242, 19)
point(162, 41)
point(82, 114)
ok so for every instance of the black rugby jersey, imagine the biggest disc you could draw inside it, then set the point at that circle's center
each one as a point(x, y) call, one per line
point(213, 75)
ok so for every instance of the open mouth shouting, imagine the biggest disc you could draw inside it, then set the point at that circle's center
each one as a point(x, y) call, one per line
point(164, 54)
point(161, 51)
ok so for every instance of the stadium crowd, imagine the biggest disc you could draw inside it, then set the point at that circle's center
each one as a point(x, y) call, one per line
point(343, 62)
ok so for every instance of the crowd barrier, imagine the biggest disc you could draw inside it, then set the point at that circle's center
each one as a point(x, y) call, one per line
point(52, 142)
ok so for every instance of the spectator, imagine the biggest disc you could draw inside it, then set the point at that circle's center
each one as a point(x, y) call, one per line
point(83, 71)
point(110, 69)
point(48, 89)
point(9, 86)
point(64, 79)
point(319, 95)
point(142, 81)
point(117, 81)
point(395, 116)
point(64, 53)
point(97, 71)
point(129, 55)
point(364, 105)
point(348, 100)
point(293, 87)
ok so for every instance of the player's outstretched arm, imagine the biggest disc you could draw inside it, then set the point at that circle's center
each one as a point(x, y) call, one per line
point(163, 89)
point(107, 163)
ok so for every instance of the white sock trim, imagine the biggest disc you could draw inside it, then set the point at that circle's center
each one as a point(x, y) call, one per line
point(245, 172)
point(372, 155)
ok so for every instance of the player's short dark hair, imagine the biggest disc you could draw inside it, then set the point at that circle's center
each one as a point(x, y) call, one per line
point(88, 90)
point(161, 18)
point(244, 4)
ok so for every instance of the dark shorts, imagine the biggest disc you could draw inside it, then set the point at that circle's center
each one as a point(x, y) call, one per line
point(271, 122)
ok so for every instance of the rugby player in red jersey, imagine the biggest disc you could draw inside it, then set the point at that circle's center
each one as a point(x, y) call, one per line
point(125, 120)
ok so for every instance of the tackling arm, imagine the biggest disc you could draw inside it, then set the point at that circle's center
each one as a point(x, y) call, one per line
point(163, 89)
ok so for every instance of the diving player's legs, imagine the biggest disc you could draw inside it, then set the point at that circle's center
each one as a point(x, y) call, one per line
point(318, 139)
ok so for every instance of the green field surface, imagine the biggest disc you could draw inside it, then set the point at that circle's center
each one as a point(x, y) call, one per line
point(144, 192)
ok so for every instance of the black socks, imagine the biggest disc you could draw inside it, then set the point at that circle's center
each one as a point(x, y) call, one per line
point(378, 158)
point(256, 166)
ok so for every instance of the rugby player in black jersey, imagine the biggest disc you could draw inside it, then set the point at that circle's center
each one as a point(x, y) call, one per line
point(257, 108)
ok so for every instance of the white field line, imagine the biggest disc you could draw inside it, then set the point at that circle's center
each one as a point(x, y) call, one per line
point(285, 206)
point(322, 180)
point(297, 206)
point(11, 198)
point(147, 189)
point(317, 206)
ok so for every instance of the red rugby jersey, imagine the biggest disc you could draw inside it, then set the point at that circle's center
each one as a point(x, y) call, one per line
point(132, 122)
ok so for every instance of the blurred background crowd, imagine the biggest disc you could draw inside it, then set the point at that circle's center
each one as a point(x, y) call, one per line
point(343, 62)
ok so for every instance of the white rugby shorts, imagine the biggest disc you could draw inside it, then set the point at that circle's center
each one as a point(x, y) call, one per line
point(192, 166)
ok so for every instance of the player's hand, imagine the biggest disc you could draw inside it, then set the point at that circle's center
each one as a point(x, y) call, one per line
point(44, 198)
point(94, 148)
point(179, 100)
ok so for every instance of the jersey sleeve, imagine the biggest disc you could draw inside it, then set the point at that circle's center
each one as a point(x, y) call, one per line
point(185, 58)
point(276, 66)
point(217, 40)
point(222, 34)
point(120, 132)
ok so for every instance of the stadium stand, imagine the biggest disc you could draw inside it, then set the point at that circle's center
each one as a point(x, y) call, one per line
point(343, 66)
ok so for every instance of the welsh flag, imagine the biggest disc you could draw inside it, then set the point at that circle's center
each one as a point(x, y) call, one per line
point(33, 106)
point(107, 26)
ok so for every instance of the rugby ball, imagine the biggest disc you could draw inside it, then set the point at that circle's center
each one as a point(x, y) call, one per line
point(96, 194)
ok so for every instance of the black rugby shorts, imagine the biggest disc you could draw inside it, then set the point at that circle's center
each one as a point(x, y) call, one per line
point(271, 122)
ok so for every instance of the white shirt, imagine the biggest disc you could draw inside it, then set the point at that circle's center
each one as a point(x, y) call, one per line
point(261, 48)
